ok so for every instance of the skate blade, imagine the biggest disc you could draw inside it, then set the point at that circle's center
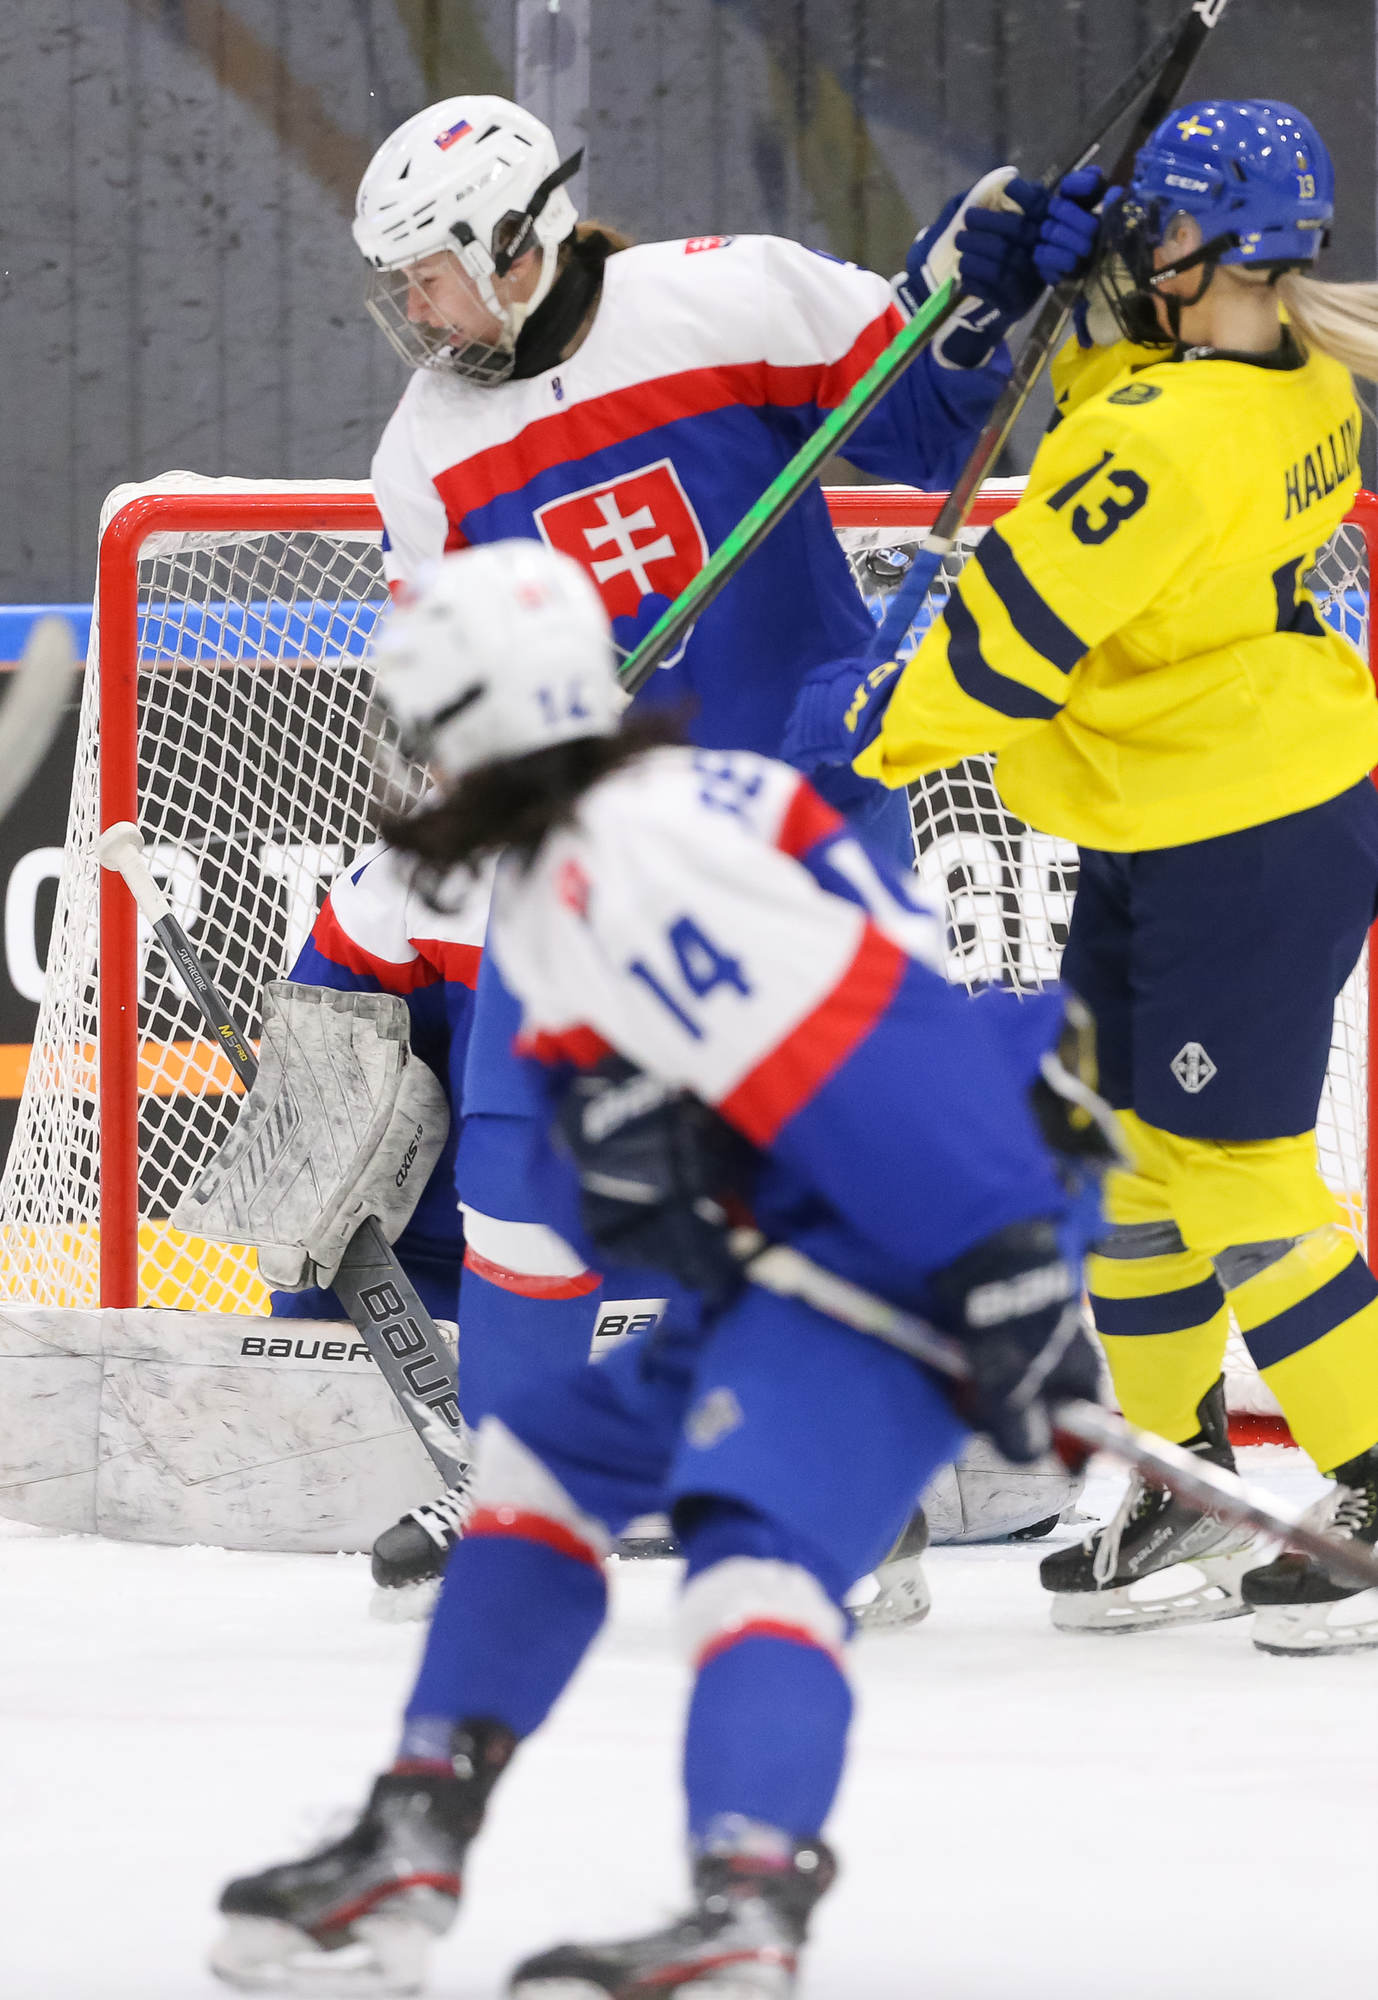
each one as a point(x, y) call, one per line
point(902, 1598)
point(404, 1603)
point(556, 1989)
point(1189, 1593)
point(1295, 1631)
point(385, 1961)
point(733, 1985)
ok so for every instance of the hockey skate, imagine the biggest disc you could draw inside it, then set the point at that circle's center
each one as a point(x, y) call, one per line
point(359, 1916)
point(902, 1596)
point(1157, 1562)
point(1298, 1607)
point(740, 1941)
point(409, 1558)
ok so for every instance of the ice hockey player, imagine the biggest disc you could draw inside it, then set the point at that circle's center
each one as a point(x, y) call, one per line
point(626, 405)
point(718, 983)
point(1137, 642)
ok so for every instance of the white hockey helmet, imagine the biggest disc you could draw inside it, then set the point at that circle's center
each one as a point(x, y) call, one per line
point(505, 650)
point(469, 184)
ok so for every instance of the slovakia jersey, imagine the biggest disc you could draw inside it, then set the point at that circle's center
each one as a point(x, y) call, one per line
point(709, 362)
point(709, 918)
point(375, 934)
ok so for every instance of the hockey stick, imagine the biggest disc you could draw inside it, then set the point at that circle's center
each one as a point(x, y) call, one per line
point(1187, 38)
point(33, 707)
point(376, 1292)
point(793, 480)
point(791, 1275)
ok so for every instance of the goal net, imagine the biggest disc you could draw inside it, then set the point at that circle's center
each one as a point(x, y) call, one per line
point(225, 710)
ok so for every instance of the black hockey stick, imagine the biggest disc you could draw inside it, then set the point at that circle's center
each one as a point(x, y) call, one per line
point(1187, 38)
point(796, 477)
point(791, 1275)
point(372, 1286)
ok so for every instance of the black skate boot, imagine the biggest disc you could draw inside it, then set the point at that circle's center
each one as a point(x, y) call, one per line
point(1158, 1562)
point(409, 1558)
point(1298, 1605)
point(359, 1916)
point(740, 1941)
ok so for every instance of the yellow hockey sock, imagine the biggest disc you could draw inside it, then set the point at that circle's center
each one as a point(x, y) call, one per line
point(1163, 1323)
point(1310, 1321)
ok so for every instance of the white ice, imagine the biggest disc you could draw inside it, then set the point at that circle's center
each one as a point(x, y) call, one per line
point(1028, 1816)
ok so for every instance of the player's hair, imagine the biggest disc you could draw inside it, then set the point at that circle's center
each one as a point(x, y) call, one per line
point(516, 802)
point(607, 234)
point(1339, 319)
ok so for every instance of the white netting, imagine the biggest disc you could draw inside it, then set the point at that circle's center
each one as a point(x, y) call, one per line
point(254, 789)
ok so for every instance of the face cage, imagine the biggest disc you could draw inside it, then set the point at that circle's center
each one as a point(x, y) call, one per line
point(1124, 272)
point(420, 345)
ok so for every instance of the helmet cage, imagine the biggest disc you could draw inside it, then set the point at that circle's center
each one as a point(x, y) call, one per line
point(1129, 280)
point(424, 345)
point(448, 348)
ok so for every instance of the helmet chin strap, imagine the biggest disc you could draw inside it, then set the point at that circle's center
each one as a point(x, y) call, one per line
point(1206, 258)
point(513, 316)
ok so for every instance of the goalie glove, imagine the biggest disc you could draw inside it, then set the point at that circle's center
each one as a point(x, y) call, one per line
point(985, 239)
point(1014, 1302)
point(659, 1175)
point(342, 1123)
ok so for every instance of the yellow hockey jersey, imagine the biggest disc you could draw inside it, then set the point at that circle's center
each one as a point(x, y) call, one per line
point(1134, 640)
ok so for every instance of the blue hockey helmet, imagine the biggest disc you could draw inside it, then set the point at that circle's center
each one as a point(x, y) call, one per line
point(1254, 174)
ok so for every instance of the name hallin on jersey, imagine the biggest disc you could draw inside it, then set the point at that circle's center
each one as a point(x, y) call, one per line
point(1326, 466)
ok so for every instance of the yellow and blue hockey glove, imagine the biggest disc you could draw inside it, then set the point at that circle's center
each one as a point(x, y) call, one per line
point(838, 711)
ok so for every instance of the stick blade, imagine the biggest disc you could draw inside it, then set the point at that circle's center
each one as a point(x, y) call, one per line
point(33, 707)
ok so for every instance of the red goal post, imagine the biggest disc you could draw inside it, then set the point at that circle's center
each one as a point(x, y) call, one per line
point(120, 1107)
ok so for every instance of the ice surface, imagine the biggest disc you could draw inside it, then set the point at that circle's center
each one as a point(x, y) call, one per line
point(1028, 1816)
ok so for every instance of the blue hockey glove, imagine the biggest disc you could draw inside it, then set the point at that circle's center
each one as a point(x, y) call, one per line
point(984, 238)
point(1014, 1302)
point(837, 712)
point(660, 1174)
point(1070, 231)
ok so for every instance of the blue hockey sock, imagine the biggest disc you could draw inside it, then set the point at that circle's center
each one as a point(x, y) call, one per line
point(510, 1339)
point(767, 1736)
point(515, 1618)
point(767, 1731)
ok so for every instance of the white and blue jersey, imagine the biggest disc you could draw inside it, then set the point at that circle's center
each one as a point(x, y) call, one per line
point(708, 364)
point(709, 918)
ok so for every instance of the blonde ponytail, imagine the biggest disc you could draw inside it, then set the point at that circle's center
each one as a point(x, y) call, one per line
point(1340, 320)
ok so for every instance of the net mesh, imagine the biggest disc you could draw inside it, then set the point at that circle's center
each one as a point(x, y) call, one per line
point(255, 787)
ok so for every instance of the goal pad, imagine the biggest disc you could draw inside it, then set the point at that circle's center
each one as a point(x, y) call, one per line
point(225, 710)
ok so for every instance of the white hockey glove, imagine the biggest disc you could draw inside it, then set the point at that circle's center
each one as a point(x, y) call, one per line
point(342, 1123)
point(994, 265)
